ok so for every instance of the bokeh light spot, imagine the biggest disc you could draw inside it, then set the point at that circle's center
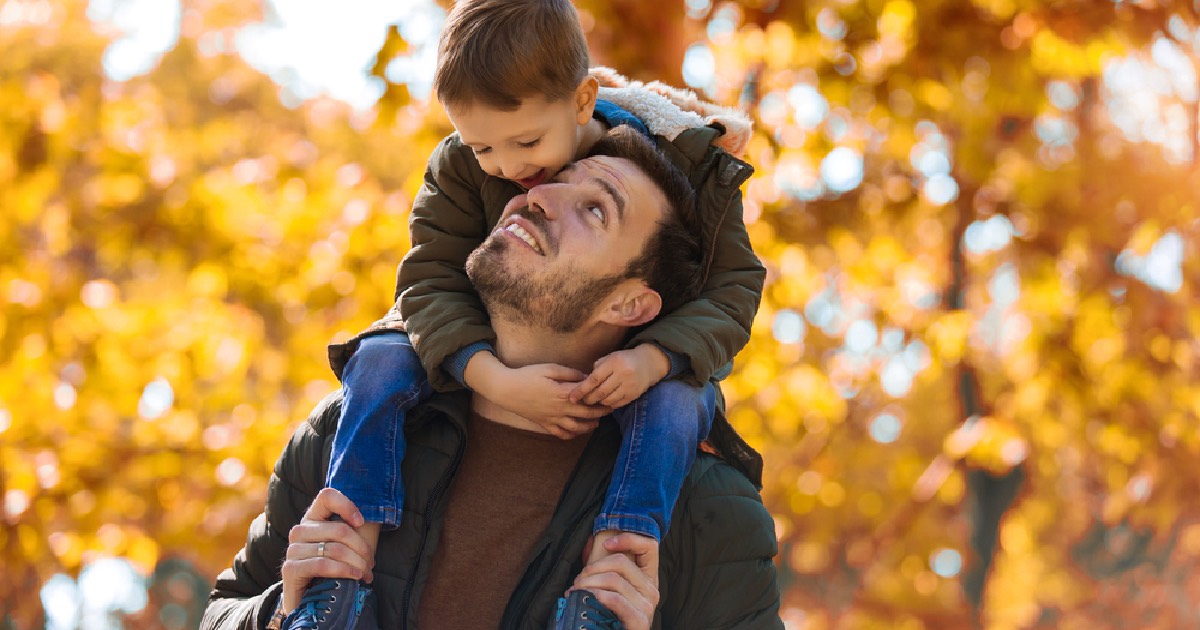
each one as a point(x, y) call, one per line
point(885, 428)
point(842, 169)
point(946, 562)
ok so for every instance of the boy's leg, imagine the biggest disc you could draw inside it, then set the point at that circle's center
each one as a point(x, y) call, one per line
point(382, 381)
point(661, 431)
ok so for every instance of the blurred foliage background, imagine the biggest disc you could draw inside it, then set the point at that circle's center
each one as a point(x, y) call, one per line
point(973, 376)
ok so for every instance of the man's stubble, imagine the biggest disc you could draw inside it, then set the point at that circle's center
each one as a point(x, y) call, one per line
point(561, 301)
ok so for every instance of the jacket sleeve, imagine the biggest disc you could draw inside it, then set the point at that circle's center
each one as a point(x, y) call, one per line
point(713, 328)
point(442, 313)
point(718, 558)
point(246, 593)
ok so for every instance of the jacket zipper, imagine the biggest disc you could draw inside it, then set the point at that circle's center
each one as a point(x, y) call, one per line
point(443, 483)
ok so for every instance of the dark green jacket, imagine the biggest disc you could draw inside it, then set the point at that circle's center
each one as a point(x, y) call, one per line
point(716, 560)
point(443, 314)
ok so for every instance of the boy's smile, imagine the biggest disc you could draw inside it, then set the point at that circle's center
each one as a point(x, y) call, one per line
point(538, 178)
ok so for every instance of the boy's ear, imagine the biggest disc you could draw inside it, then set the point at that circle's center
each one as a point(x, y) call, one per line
point(585, 99)
point(631, 304)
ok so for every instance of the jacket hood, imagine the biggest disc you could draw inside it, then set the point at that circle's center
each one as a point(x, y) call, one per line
point(669, 111)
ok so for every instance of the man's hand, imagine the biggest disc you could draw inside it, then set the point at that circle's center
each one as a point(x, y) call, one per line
point(626, 581)
point(540, 393)
point(319, 547)
point(620, 378)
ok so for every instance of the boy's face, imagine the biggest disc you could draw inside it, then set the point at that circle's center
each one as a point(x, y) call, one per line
point(531, 144)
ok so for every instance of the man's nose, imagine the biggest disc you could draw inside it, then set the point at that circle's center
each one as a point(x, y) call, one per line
point(547, 199)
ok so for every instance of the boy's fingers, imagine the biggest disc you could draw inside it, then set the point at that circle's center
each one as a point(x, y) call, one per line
point(615, 400)
point(565, 374)
point(584, 388)
point(610, 386)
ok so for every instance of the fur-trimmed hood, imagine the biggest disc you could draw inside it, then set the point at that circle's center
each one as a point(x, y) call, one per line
point(668, 111)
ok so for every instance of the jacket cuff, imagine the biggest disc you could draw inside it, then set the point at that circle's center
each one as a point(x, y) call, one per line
point(456, 364)
point(680, 363)
point(267, 603)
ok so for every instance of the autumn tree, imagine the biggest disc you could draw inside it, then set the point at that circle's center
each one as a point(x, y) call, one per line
point(973, 375)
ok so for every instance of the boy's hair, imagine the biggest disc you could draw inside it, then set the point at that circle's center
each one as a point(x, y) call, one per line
point(672, 261)
point(498, 52)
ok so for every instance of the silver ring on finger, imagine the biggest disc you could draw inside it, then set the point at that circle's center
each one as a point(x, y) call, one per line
point(321, 549)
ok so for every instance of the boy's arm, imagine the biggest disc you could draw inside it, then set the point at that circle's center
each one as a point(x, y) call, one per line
point(711, 329)
point(442, 313)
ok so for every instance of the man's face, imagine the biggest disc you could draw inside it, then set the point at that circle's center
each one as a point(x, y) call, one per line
point(529, 145)
point(561, 248)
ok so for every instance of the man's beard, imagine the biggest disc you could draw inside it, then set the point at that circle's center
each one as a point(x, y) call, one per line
point(561, 302)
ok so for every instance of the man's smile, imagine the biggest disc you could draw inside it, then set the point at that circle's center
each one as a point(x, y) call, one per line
point(530, 228)
point(521, 233)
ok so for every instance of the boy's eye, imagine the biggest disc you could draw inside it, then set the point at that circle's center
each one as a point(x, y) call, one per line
point(530, 144)
point(481, 151)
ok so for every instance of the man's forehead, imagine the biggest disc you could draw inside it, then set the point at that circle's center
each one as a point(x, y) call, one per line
point(598, 165)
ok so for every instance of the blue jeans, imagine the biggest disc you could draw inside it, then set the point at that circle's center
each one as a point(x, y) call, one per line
point(661, 432)
point(382, 382)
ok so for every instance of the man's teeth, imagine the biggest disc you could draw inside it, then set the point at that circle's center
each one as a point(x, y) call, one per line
point(524, 236)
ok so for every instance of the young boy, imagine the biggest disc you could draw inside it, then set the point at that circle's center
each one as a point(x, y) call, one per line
point(513, 77)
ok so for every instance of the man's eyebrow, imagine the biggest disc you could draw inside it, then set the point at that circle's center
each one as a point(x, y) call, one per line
point(617, 197)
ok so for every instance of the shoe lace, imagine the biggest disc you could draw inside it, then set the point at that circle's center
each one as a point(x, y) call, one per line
point(317, 601)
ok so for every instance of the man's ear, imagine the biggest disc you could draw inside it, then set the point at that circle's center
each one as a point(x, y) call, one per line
point(631, 304)
point(585, 99)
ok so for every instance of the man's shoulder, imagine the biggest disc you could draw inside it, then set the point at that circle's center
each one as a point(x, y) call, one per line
point(712, 477)
point(719, 503)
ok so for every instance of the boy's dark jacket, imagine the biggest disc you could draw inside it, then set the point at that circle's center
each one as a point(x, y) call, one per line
point(716, 567)
point(444, 314)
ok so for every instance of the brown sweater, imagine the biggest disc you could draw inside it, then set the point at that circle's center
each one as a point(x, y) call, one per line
point(506, 490)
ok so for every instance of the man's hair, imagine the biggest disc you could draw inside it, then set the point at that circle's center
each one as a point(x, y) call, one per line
point(499, 52)
point(672, 261)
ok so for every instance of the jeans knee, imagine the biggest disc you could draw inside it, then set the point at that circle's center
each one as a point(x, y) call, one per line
point(385, 364)
point(389, 352)
point(680, 397)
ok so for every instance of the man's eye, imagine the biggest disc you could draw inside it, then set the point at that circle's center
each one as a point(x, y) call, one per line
point(598, 212)
point(530, 144)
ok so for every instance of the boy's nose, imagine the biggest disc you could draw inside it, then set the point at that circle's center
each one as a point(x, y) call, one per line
point(511, 169)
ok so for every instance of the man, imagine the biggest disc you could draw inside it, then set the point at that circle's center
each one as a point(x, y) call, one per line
point(498, 514)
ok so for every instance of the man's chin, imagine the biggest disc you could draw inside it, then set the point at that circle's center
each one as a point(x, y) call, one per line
point(487, 259)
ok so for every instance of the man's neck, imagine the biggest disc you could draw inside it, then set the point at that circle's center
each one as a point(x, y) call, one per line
point(520, 346)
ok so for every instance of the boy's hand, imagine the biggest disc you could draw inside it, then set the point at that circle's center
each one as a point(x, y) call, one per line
point(619, 378)
point(540, 393)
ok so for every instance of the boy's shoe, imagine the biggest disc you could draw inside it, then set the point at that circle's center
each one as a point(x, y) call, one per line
point(334, 604)
point(580, 610)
